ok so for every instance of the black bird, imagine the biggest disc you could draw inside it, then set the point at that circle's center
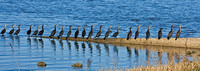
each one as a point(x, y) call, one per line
point(70, 31)
point(99, 33)
point(160, 33)
point(11, 31)
point(178, 32)
point(170, 33)
point(129, 33)
point(61, 32)
point(42, 31)
point(137, 32)
point(77, 32)
point(116, 33)
point(36, 31)
point(29, 31)
point(53, 32)
point(4, 30)
point(148, 33)
point(84, 32)
point(18, 30)
point(91, 32)
point(107, 33)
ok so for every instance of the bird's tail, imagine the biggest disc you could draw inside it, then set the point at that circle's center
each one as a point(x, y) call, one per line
point(104, 38)
point(168, 38)
point(50, 36)
point(127, 39)
point(176, 38)
point(158, 37)
point(146, 38)
point(135, 38)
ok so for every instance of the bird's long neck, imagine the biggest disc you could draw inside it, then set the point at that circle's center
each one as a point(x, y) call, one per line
point(30, 27)
point(130, 30)
point(70, 29)
point(171, 28)
point(100, 28)
point(13, 27)
point(109, 29)
point(4, 27)
point(179, 28)
point(138, 28)
point(18, 27)
point(77, 29)
point(91, 29)
point(62, 28)
point(42, 27)
point(55, 27)
point(117, 29)
point(37, 28)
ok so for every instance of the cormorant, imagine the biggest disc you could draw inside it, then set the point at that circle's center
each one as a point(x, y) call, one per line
point(178, 32)
point(53, 32)
point(170, 33)
point(18, 30)
point(84, 32)
point(42, 31)
point(137, 32)
point(160, 33)
point(99, 33)
point(29, 31)
point(11, 31)
point(4, 30)
point(129, 33)
point(107, 33)
point(61, 32)
point(148, 33)
point(70, 31)
point(77, 32)
point(36, 31)
point(116, 33)
point(91, 32)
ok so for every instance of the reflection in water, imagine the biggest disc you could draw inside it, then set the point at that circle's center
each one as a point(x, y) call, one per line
point(136, 56)
point(69, 45)
point(107, 48)
point(29, 41)
point(42, 42)
point(177, 57)
point(147, 57)
point(90, 46)
point(53, 43)
point(115, 49)
point(89, 62)
point(83, 46)
point(99, 49)
point(160, 58)
point(61, 44)
point(129, 51)
point(76, 46)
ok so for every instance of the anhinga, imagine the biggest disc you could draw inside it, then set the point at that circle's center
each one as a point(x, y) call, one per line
point(148, 33)
point(70, 31)
point(77, 32)
point(137, 32)
point(84, 32)
point(91, 32)
point(170, 33)
point(129, 33)
point(116, 33)
point(178, 32)
point(99, 33)
point(29, 31)
point(42, 31)
point(107, 33)
point(160, 33)
point(53, 32)
point(18, 30)
point(11, 31)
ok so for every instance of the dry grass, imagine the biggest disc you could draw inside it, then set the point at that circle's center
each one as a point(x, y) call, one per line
point(185, 65)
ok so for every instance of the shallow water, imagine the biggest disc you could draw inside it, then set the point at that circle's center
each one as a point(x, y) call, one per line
point(60, 55)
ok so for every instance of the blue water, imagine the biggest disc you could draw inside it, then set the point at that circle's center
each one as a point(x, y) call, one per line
point(123, 13)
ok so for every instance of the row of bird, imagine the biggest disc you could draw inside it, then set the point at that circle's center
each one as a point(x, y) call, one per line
point(37, 32)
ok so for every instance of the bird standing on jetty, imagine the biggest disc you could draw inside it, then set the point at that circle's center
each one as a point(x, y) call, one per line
point(70, 31)
point(53, 32)
point(36, 31)
point(129, 33)
point(42, 31)
point(29, 31)
point(148, 33)
point(170, 33)
point(4, 30)
point(84, 32)
point(107, 33)
point(178, 32)
point(11, 31)
point(116, 33)
point(18, 30)
point(160, 33)
point(77, 32)
point(137, 32)
point(99, 33)
point(61, 32)
point(91, 32)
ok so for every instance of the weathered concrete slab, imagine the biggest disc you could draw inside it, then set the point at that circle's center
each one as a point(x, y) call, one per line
point(180, 42)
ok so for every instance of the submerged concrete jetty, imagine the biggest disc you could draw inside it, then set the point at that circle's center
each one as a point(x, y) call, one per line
point(180, 42)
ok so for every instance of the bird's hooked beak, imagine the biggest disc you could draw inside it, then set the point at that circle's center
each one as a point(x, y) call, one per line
point(149, 26)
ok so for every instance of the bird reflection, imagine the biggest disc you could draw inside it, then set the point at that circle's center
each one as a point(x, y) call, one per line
point(42, 42)
point(83, 46)
point(107, 48)
point(98, 47)
point(160, 57)
point(147, 56)
point(90, 46)
point(76, 46)
point(61, 44)
point(89, 62)
point(115, 49)
point(18, 40)
point(136, 52)
point(177, 58)
point(29, 41)
point(129, 51)
point(53, 43)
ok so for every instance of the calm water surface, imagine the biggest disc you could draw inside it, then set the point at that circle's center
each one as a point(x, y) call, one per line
point(61, 54)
